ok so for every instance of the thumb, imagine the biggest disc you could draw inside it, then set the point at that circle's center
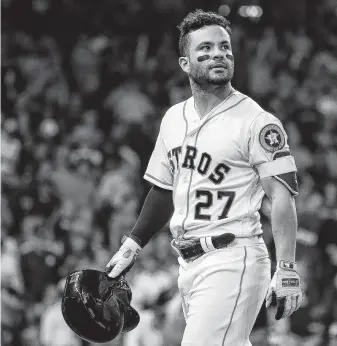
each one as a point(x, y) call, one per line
point(110, 265)
point(114, 272)
point(269, 297)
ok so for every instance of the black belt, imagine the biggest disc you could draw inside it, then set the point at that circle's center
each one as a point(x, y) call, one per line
point(196, 250)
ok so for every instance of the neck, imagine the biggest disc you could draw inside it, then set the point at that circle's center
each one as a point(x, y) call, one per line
point(205, 99)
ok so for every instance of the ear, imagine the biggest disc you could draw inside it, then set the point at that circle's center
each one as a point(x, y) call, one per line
point(184, 64)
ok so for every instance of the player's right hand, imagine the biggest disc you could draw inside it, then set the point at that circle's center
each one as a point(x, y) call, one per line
point(124, 258)
point(285, 285)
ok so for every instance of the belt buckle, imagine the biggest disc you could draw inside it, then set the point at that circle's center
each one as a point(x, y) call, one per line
point(193, 253)
point(180, 250)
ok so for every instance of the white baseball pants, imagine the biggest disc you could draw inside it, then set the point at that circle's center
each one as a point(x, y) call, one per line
point(222, 293)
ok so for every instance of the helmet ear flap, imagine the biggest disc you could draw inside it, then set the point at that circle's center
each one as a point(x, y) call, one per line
point(123, 294)
point(131, 319)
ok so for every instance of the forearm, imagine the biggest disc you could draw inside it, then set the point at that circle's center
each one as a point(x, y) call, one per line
point(284, 227)
point(156, 212)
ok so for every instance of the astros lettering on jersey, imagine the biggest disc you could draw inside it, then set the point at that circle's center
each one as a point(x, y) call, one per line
point(214, 164)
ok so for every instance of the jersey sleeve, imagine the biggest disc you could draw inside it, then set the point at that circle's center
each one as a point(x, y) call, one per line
point(159, 171)
point(269, 151)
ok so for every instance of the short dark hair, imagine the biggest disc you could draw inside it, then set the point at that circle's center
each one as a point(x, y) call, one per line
point(196, 20)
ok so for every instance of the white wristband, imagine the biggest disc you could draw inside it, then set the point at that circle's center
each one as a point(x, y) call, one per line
point(132, 245)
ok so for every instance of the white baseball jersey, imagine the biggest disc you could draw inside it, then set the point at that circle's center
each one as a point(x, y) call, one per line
point(214, 165)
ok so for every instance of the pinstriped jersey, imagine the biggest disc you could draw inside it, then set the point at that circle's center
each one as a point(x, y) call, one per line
point(214, 165)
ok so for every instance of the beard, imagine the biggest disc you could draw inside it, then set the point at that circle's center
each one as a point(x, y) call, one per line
point(203, 76)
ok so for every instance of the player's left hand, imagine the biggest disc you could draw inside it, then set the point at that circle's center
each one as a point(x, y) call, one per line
point(286, 286)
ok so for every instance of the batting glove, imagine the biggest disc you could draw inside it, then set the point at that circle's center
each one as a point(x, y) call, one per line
point(285, 285)
point(124, 258)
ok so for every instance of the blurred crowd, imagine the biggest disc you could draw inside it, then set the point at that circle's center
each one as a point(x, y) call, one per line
point(84, 87)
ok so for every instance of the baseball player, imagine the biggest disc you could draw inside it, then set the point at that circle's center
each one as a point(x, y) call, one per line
point(217, 155)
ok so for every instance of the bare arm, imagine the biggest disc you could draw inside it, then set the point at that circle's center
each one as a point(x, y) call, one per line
point(283, 218)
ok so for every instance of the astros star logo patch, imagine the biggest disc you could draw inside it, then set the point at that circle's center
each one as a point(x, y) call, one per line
point(272, 138)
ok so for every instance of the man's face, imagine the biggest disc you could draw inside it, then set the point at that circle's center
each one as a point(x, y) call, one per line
point(210, 59)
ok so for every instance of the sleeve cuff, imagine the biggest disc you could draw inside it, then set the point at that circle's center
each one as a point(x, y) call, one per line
point(157, 182)
point(279, 166)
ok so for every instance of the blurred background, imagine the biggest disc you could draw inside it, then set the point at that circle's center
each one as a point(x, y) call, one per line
point(84, 87)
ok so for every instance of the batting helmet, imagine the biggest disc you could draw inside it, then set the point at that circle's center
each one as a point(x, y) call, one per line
point(97, 307)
